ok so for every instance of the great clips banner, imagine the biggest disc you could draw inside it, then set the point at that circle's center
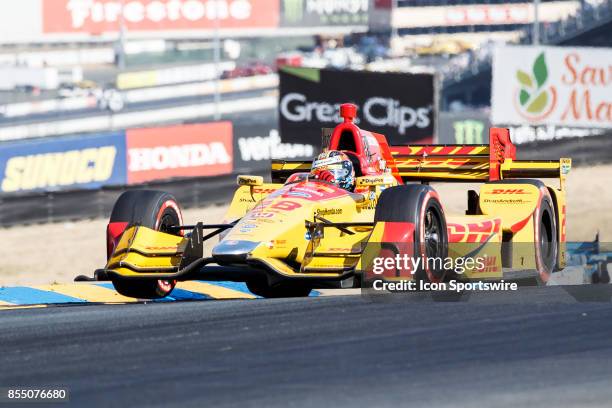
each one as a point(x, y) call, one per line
point(398, 105)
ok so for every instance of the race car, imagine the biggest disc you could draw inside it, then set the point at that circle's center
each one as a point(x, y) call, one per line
point(299, 232)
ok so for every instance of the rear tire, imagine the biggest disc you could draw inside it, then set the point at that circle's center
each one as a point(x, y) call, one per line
point(546, 245)
point(418, 204)
point(152, 209)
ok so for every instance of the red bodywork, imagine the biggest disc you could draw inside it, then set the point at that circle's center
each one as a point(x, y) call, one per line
point(371, 148)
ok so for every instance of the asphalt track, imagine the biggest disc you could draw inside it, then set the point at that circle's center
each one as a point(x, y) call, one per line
point(541, 346)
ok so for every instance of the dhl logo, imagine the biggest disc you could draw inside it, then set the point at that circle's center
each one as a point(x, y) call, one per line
point(489, 265)
point(473, 232)
point(59, 169)
point(509, 191)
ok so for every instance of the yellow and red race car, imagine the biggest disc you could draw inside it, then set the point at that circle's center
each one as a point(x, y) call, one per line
point(298, 233)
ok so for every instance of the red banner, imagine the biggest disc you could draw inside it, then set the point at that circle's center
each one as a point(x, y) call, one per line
point(98, 16)
point(179, 151)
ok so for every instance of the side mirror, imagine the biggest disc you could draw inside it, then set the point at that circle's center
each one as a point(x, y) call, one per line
point(249, 180)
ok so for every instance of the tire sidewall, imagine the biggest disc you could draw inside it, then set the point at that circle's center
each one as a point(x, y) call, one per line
point(545, 266)
point(146, 208)
point(409, 203)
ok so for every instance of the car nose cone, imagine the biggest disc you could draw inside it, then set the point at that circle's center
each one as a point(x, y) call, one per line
point(233, 250)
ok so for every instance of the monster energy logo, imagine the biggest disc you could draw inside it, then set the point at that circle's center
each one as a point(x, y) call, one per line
point(294, 10)
point(468, 131)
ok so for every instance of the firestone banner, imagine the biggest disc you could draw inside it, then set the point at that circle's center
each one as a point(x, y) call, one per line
point(563, 86)
point(400, 106)
point(99, 16)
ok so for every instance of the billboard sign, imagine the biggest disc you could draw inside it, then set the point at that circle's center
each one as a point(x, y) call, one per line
point(481, 14)
point(398, 105)
point(83, 162)
point(471, 127)
point(315, 13)
point(196, 150)
point(562, 86)
point(101, 16)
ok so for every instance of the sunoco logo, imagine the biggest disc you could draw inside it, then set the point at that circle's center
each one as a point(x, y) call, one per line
point(535, 100)
point(57, 169)
point(378, 111)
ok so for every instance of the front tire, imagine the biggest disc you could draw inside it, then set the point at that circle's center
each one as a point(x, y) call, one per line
point(152, 209)
point(419, 205)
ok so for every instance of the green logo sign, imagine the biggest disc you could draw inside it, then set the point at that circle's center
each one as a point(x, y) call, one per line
point(535, 99)
point(469, 131)
point(293, 10)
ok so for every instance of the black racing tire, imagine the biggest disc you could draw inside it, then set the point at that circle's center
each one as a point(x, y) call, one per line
point(545, 238)
point(280, 290)
point(418, 204)
point(152, 209)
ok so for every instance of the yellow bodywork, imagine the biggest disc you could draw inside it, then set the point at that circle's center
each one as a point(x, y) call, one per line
point(271, 231)
point(143, 250)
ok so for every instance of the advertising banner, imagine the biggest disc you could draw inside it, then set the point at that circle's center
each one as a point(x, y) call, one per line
point(196, 150)
point(561, 86)
point(100, 16)
point(82, 162)
point(400, 106)
point(463, 128)
point(314, 13)
point(481, 14)
point(257, 141)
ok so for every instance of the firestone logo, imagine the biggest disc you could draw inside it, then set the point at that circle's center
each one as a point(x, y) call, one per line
point(156, 11)
point(535, 100)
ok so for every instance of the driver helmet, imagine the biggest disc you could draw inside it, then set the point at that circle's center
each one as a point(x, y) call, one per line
point(336, 167)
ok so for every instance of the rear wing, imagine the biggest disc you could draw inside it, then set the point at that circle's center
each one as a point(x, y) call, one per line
point(448, 163)
point(476, 163)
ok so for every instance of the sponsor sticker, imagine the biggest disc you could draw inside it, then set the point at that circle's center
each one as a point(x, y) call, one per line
point(328, 211)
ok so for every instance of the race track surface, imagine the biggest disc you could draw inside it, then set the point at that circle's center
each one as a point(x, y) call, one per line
point(538, 347)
